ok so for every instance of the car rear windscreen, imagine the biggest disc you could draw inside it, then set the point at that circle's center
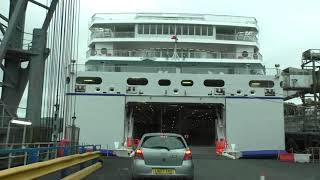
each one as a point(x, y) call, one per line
point(163, 142)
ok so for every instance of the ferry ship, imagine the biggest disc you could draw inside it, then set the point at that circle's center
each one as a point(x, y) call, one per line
point(199, 75)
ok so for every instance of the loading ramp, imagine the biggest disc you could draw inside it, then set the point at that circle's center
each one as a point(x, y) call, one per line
point(197, 122)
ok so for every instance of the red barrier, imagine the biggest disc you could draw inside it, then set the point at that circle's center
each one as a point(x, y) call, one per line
point(286, 157)
point(129, 142)
point(62, 143)
point(221, 145)
point(132, 142)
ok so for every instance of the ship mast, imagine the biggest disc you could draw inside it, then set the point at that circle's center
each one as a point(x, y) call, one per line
point(175, 56)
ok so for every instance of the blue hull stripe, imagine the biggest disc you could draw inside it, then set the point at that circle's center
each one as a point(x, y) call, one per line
point(93, 94)
point(253, 97)
point(261, 153)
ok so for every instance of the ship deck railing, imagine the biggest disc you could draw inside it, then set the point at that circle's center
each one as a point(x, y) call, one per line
point(168, 54)
point(106, 33)
point(101, 67)
point(181, 16)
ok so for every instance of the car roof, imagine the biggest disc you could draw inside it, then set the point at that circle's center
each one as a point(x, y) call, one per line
point(162, 134)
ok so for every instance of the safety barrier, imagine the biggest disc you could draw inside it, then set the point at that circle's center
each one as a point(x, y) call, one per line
point(40, 153)
point(221, 145)
point(40, 169)
point(14, 158)
point(62, 164)
point(315, 154)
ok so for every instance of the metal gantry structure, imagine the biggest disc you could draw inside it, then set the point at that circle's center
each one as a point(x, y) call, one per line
point(35, 77)
point(303, 121)
point(311, 61)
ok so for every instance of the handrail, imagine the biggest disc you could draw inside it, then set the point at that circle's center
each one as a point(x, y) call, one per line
point(108, 34)
point(6, 151)
point(315, 154)
point(40, 169)
point(208, 17)
point(168, 53)
point(231, 37)
point(237, 37)
point(100, 67)
point(33, 155)
point(23, 144)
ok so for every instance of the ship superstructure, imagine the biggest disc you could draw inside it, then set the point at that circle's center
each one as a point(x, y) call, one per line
point(199, 75)
point(125, 41)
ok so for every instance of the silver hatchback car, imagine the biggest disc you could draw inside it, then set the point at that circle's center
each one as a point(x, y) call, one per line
point(162, 155)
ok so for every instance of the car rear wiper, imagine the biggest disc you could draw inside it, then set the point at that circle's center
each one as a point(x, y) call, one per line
point(160, 147)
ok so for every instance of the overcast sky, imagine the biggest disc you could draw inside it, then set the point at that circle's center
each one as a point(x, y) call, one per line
point(287, 27)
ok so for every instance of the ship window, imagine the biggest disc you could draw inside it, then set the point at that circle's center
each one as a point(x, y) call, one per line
point(117, 68)
point(172, 29)
point(210, 31)
point(137, 81)
point(124, 28)
point(198, 29)
point(164, 82)
point(204, 31)
point(179, 29)
point(191, 29)
point(88, 80)
point(152, 29)
point(213, 83)
point(187, 83)
point(159, 28)
point(261, 83)
point(165, 29)
point(146, 28)
point(185, 29)
point(140, 28)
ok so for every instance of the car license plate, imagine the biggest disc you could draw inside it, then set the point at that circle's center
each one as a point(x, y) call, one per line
point(163, 171)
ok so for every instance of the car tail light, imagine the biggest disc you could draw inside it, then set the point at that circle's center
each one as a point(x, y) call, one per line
point(139, 154)
point(187, 155)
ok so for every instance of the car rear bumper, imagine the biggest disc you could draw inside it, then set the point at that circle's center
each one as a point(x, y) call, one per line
point(141, 170)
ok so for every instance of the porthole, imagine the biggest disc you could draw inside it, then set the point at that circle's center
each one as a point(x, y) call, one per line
point(187, 83)
point(88, 80)
point(245, 54)
point(213, 83)
point(137, 81)
point(164, 82)
point(261, 84)
point(104, 51)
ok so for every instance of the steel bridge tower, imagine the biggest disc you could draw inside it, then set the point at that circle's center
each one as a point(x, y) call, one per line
point(13, 54)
